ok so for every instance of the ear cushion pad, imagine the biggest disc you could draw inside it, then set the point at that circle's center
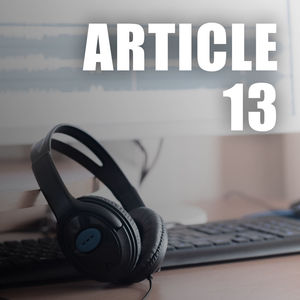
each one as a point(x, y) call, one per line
point(154, 242)
point(120, 212)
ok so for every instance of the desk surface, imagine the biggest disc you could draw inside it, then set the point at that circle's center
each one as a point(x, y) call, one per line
point(271, 278)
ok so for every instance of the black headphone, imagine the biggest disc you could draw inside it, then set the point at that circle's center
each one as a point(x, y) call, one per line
point(101, 239)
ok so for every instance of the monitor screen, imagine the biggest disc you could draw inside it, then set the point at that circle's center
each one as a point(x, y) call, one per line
point(42, 82)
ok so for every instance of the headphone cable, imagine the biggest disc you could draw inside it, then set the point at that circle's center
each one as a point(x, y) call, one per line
point(150, 287)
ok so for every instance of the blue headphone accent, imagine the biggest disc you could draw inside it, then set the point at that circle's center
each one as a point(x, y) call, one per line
point(88, 240)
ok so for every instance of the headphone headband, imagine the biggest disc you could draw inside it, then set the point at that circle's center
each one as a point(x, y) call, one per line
point(51, 183)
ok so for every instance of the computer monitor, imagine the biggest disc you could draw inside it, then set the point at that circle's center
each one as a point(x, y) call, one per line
point(42, 83)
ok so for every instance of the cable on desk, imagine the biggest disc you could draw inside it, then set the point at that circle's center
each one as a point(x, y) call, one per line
point(150, 287)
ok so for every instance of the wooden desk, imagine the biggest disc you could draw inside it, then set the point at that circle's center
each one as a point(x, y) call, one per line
point(272, 278)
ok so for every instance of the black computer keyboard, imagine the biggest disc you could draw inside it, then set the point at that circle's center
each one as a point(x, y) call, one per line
point(31, 261)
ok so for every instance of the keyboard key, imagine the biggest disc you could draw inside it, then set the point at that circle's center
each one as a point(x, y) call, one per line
point(240, 239)
point(183, 245)
point(202, 243)
point(5, 264)
point(240, 229)
point(221, 241)
point(252, 236)
point(209, 228)
point(12, 244)
point(227, 230)
point(268, 236)
point(170, 248)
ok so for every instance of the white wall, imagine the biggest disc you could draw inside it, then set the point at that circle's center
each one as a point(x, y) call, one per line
point(187, 169)
point(291, 157)
point(253, 165)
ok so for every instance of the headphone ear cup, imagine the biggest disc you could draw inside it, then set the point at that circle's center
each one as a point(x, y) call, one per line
point(132, 247)
point(119, 209)
point(154, 243)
